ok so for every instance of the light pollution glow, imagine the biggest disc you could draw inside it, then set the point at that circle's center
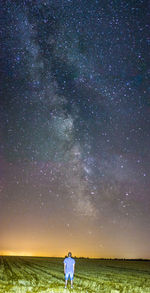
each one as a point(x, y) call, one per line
point(57, 244)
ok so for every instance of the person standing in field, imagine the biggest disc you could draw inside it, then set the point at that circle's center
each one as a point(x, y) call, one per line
point(69, 268)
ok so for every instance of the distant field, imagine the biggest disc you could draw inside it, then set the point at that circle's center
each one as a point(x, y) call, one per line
point(35, 274)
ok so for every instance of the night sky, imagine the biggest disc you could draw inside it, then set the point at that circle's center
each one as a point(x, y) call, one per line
point(75, 128)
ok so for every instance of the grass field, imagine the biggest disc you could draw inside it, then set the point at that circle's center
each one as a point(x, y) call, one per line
point(35, 274)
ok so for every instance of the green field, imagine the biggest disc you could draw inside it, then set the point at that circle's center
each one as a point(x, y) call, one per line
point(37, 274)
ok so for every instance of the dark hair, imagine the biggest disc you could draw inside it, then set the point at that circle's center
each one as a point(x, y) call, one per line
point(69, 254)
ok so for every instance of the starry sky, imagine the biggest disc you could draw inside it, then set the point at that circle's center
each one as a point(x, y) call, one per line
point(75, 128)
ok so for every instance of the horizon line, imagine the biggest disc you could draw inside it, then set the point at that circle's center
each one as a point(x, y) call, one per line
point(86, 257)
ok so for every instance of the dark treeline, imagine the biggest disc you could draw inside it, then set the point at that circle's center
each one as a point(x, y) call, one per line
point(84, 258)
point(119, 259)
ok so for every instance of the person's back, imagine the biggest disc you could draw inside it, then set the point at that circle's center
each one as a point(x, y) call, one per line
point(69, 266)
point(69, 262)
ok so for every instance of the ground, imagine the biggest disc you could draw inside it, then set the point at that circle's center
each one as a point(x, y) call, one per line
point(45, 275)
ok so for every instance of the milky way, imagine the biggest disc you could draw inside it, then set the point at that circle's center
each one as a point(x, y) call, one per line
point(75, 127)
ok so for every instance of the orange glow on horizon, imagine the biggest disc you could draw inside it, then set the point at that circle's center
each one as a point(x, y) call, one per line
point(40, 254)
point(23, 253)
point(15, 253)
